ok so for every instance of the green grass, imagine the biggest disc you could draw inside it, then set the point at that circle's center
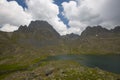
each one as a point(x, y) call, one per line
point(11, 68)
point(29, 63)
point(3, 76)
point(39, 59)
point(74, 71)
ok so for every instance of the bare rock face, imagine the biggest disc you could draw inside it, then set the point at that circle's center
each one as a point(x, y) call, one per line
point(38, 29)
point(116, 29)
point(94, 31)
point(99, 31)
point(38, 33)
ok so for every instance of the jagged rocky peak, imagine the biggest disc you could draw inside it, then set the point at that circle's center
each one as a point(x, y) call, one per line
point(38, 29)
point(35, 25)
point(40, 25)
point(23, 28)
point(94, 31)
point(116, 29)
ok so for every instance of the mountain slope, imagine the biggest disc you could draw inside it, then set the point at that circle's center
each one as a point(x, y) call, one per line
point(100, 40)
point(37, 34)
point(39, 30)
point(41, 35)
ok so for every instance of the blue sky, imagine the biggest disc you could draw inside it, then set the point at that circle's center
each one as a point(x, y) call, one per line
point(20, 2)
point(59, 2)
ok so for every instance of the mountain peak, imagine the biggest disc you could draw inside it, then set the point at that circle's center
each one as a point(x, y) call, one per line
point(93, 31)
point(38, 29)
point(22, 28)
point(39, 25)
point(116, 29)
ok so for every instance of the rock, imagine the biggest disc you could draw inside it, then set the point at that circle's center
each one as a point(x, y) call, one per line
point(62, 71)
point(49, 71)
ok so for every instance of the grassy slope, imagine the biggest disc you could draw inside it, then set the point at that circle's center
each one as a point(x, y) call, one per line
point(94, 45)
point(67, 71)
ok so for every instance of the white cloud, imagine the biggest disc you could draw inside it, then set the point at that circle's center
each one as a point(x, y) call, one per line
point(107, 9)
point(8, 28)
point(12, 13)
point(79, 16)
point(73, 30)
point(82, 13)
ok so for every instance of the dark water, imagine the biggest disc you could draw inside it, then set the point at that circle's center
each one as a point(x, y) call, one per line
point(109, 63)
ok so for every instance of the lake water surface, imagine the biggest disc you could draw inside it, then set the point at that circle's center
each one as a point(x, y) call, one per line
point(109, 63)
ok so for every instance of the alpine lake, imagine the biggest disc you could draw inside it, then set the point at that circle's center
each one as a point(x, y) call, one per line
point(110, 63)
